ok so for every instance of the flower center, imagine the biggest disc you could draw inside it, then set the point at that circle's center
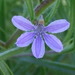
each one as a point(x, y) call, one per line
point(39, 29)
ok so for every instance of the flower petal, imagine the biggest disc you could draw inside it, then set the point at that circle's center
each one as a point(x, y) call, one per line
point(25, 39)
point(38, 48)
point(57, 26)
point(22, 23)
point(53, 42)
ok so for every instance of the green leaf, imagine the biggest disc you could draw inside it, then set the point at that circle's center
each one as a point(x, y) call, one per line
point(51, 64)
point(8, 53)
point(25, 10)
point(53, 11)
point(30, 8)
point(63, 8)
point(11, 52)
point(68, 49)
point(5, 69)
point(72, 21)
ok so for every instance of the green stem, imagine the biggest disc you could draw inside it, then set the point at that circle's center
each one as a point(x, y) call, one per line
point(42, 7)
point(13, 38)
point(2, 43)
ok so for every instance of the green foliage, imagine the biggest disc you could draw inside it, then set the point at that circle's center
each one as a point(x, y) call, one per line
point(30, 8)
point(52, 12)
point(19, 61)
point(5, 69)
point(2, 19)
point(51, 64)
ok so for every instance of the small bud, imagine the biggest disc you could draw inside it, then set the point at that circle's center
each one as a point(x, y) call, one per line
point(41, 20)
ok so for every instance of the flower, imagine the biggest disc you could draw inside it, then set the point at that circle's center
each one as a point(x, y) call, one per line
point(39, 35)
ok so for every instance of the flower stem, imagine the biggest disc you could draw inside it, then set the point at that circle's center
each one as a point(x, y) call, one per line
point(13, 38)
point(2, 43)
point(66, 50)
point(42, 7)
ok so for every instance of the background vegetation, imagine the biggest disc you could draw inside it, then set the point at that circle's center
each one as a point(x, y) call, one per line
point(19, 61)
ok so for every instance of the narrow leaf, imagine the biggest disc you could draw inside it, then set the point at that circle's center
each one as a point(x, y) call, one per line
point(8, 53)
point(72, 21)
point(5, 69)
point(52, 12)
point(30, 8)
point(51, 64)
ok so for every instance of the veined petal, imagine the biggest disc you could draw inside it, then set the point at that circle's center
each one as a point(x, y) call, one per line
point(38, 48)
point(53, 42)
point(57, 26)
point(22, 23)
point(25, 39)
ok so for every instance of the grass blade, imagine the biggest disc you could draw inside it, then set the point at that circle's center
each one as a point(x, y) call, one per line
point(5, 69)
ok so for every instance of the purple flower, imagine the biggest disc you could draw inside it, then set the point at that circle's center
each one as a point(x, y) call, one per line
point(38, 35)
